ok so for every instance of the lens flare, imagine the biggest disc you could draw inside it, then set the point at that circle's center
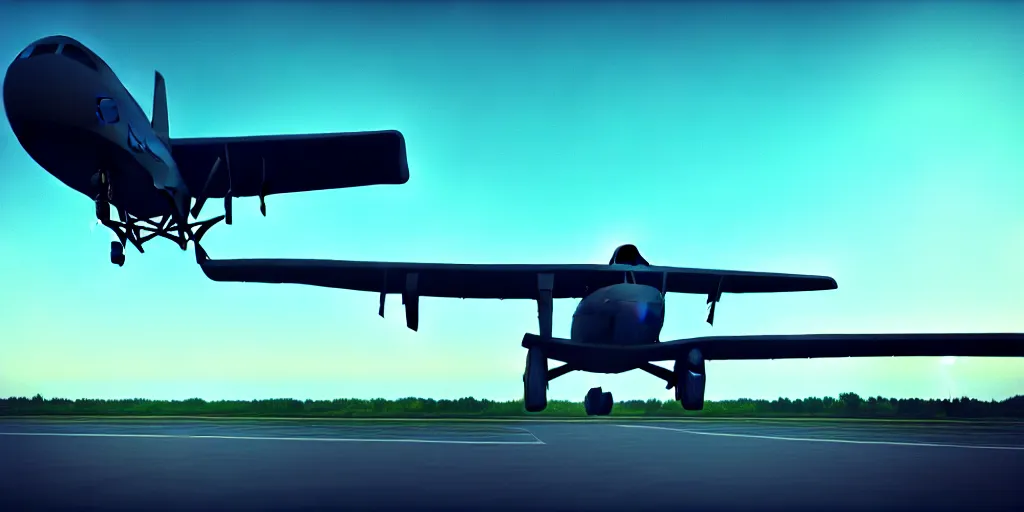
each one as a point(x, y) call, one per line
point(641, 310)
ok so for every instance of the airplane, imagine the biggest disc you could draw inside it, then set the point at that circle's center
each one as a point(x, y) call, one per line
point(617, 325)
point(74, 117)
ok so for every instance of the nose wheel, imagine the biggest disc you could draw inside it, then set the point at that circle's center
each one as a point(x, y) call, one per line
point(105, 194)
point(598, 402)
point(117, 253)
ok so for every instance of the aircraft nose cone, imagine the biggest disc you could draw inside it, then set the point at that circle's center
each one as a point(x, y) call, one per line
point(49, 94)
point(18, 99)
point(25, 94)
point(11, 94)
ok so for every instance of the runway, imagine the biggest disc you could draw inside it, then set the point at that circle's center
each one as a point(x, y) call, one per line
point(612, 464)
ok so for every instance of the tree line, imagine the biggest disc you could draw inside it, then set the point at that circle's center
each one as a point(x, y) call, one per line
point(849, 405)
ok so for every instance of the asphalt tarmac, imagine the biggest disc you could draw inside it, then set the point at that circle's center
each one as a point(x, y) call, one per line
point(612, 464)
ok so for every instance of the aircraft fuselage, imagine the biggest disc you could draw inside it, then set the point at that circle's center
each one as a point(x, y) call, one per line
point(74, 117)
point(621, 314)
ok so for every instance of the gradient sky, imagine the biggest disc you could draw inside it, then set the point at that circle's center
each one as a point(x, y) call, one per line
point(880, 143)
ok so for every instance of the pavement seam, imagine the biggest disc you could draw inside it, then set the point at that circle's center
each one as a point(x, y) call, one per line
point(820, 440)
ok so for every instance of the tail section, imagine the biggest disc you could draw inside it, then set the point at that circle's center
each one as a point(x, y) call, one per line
point(160, 123)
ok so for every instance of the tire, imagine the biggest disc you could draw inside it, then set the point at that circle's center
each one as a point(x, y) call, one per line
point(592, 402)
point(690, 389)
point(117, 253)
point(535, 381)
point(607, 402)
point(691, 380)
point(692, 396)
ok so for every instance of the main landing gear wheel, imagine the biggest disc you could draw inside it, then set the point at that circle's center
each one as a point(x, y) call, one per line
point(598, 403)
point(535, 381)
point(691, 381)
point(117, 253)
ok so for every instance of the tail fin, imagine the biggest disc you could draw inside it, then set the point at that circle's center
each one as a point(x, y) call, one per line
point(160, 123)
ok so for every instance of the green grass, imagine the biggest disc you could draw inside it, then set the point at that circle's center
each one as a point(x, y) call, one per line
point(847, 407)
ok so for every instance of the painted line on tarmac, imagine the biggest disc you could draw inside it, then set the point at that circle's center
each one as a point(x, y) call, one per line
point(820, 440)
point(536, 440)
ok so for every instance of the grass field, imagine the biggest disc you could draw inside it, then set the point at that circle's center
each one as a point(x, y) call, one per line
point(847, 407)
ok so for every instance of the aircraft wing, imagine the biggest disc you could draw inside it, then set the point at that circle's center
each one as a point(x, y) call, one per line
point(501, 281)
point(794, 346)
point(279, 164)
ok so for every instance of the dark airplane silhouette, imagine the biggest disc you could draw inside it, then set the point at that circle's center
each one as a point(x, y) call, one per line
point(76, 120)
point(617, 325)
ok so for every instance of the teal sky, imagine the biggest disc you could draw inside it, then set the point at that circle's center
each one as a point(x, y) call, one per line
point(878, 143)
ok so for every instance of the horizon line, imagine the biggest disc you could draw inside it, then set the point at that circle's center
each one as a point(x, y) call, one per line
point(470, 397)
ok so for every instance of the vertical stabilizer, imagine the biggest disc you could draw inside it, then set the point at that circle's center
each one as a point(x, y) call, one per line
point(160, 124)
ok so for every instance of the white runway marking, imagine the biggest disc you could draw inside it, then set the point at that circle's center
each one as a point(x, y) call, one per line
point(535, 441)
point(820, 440)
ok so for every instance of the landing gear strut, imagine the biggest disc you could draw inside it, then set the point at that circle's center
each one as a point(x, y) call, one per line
point(598, 403)
point(536, 376)
point(137, 231)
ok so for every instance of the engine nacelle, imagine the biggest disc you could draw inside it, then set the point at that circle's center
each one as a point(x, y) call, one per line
point(691, 380)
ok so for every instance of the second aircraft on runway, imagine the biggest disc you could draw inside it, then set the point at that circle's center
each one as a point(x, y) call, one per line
point(617, 324)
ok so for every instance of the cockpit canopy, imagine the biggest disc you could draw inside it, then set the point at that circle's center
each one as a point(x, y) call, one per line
point(628, 255)
point(56, 46)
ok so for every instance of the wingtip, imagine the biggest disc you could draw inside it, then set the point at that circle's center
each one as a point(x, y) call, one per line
point(403, 173)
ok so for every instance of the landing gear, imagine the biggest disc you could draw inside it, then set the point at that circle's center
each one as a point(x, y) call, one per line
point(535, 381)
point(101, 180)
point(598, 403)
point(104, 194)
point(690, 381)
point(137, 231)
point(179, 220)
point(117, 253)
point(102, 210)
point(536, 376)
